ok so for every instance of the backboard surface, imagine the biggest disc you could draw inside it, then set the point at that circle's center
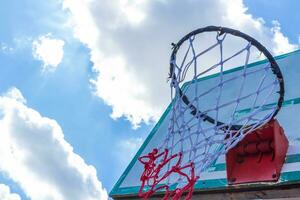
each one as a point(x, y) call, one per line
point(214, 178)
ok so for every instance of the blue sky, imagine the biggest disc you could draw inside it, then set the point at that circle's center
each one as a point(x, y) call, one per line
point(98, 70)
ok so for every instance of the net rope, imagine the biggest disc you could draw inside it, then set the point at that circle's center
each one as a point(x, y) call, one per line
point(195, 142)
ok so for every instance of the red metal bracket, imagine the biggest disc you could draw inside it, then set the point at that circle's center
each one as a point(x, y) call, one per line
point(259, 156)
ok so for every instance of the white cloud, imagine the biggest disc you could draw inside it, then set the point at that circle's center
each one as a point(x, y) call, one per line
point(281, 43)
point(14, 93)
point(35, 155)
point(134, 10)
point(4, 48)
point(129, 90)
point(130, 45)
point(82, 21)
point(48, 50)
point(5, 193)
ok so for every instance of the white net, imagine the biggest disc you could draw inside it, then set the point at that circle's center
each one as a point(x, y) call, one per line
point(210, 117)
point(208, 120)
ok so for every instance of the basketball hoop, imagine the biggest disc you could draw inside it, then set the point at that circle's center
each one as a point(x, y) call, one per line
point(199, 134)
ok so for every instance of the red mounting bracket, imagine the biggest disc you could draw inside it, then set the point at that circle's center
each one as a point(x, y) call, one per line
point(259, 156)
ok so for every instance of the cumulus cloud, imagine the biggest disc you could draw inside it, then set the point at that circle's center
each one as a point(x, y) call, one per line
point(48, 50)
point(5, 193)
point(14, 93)
point(130, 45)
point(36, 156)
point(4, 48)
point(281, 43)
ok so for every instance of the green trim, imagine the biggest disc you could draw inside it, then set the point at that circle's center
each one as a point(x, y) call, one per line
point(206, 184)
point(290, 176)
point(292, 158)
point(220, 167)
point(216, 183)
point(269, 106)
point(133, 190)
point(285, 178)
point(289, 159)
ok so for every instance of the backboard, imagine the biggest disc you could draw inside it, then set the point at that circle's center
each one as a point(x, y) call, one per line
point(214, 178)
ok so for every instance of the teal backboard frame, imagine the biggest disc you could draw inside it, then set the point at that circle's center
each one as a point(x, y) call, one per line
point(215, 177)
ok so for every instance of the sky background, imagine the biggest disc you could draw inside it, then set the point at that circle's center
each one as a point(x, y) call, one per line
point(82, 83)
